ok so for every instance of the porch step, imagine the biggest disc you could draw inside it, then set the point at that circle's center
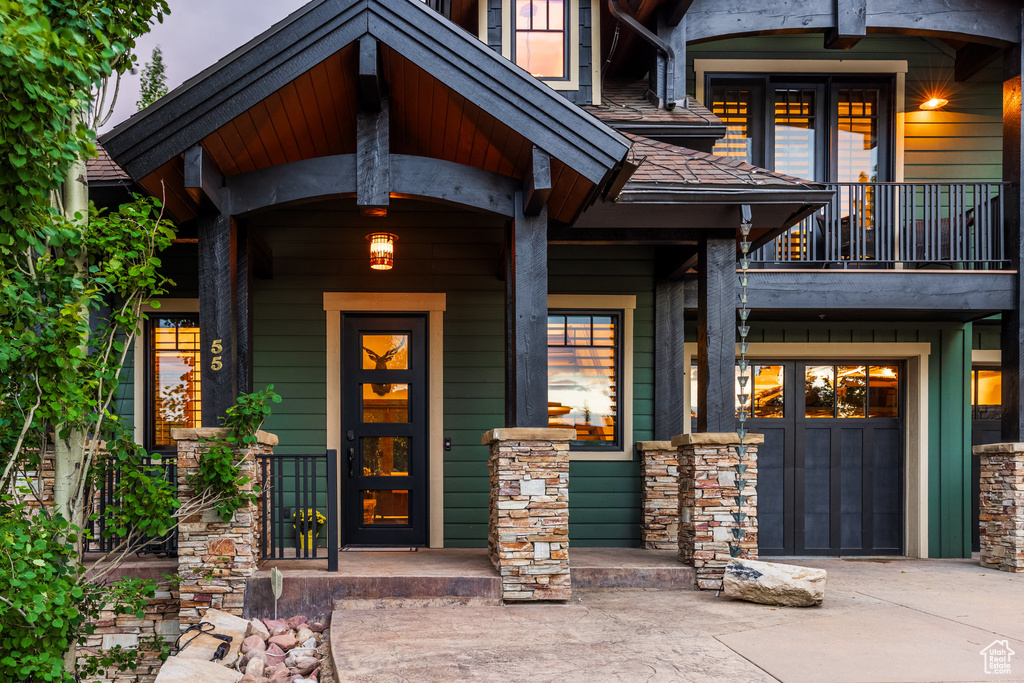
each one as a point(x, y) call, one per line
point(618, 568)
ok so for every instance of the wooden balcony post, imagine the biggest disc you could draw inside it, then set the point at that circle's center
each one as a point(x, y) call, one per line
point(218, 330)
point(670, 371)
point(716, 335)
point(1012, 333)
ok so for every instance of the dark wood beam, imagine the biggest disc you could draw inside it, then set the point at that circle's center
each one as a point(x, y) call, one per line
point(262, 256)
point(242, 311)
point(1012, 325)
point(373, 161)
point(972, 58)
point(203, 179)
point(716, 335)
point(369, 89)
point(564, 234)
point(670, 371)
point(674, 263)
point(850, 24)
point(676, 10)
point(217, 260)
point(335, 176)
point(537, 182)
point(526, 311)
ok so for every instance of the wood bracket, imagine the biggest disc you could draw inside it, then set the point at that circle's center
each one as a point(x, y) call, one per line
point(370, 91)
point(850, 17)
point(203, 178)
point(537, 182)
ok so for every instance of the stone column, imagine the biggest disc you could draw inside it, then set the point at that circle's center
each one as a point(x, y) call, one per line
point(528, 535)
point(714, 509)
point(1001, 506)
point(659, 497)
point(215, 557)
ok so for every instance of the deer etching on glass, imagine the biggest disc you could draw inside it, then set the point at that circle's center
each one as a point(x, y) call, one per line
point(381, 363)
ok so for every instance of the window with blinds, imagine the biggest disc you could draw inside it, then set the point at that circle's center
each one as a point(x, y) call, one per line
point(173, 384)
point(584, 350)
point(735, 107)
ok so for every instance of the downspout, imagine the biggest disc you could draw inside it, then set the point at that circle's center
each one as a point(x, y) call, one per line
point(657, 43)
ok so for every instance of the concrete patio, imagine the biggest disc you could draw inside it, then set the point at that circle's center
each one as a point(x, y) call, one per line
point(883, 620)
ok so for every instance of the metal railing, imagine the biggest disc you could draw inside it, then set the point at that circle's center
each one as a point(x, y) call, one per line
point(299, 513)
point(105, 498)
point(881, 225)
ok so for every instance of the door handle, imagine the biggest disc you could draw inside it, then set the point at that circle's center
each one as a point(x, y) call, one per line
point(351, 461)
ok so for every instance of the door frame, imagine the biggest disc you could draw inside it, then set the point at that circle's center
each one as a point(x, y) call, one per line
point(396, 302)
point(915, 463)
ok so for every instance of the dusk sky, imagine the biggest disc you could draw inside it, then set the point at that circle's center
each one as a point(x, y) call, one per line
point(195, 35)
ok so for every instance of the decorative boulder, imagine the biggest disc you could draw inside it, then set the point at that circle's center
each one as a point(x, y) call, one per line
point(770, 583)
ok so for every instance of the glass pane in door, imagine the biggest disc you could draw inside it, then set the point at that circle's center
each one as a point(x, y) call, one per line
point(819, 391)
point(795, 145)
point(385, 456)
point(386, 507)
point(385, 352)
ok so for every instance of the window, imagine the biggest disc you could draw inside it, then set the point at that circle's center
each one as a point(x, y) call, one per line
point(173, 395)
point(540, 37)
point(848, 391)
point(766, 385)
point(584, 375)
point(822, 128)
point(987, 393)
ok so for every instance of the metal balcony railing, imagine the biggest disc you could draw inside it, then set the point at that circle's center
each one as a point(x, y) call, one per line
point(889, 225)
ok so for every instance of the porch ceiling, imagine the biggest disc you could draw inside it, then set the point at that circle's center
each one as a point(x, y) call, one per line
point(290, 95)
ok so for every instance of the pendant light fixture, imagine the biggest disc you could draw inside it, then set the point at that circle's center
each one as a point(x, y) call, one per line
point(382, 250)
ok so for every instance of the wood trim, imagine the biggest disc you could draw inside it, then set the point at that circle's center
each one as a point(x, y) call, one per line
point(627, 304)
point(432, 304)
point(916, 443)
point(986, 357)
point(898, 67)
point(481, 21)
point(595, 52)
point(170, 306)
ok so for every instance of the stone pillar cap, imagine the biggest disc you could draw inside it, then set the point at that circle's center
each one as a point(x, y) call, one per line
point(716, 439)
point(998, 448)
point(654, 446)
point(528, 434)
point(199, 433)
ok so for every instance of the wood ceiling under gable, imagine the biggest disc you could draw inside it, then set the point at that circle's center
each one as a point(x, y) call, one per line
point(314, 116)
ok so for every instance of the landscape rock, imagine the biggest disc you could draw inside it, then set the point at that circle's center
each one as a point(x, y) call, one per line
point(303, 635)
point(273, 624)
point(282, 676)
point(256, 667)
point(317, 627)
point(307, 665)
point(310, 643)
point(296, 621)
point(275, 655)
point(257, 628)
point(251, 655)
point(181, 670)
point(285, 641)
point(249, 678)
point(302, 652)
point(253, 642)
point(771, 583)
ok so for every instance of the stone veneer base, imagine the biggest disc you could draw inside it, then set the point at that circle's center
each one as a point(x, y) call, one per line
point(659, 495)
point(528, 535)
point(1001, 506)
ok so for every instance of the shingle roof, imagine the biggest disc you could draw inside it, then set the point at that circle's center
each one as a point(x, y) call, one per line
point(104, 169)
point(663, 163)
point(625, 101)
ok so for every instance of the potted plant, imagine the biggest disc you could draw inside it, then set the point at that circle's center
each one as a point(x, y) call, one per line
point(307, 527)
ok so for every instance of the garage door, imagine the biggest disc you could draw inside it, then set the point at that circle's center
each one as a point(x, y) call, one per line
point(831, 470)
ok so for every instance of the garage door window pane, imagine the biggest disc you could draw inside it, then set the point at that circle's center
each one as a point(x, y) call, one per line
point(819, 390)
point(851, 399)
point(769, 387)
point(883, 391)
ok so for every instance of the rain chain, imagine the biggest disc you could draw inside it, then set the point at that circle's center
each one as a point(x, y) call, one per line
point(738, 532)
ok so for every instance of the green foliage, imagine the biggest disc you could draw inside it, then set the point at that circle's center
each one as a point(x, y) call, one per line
point(217, 473)
point(154, 80)
point(45, 605)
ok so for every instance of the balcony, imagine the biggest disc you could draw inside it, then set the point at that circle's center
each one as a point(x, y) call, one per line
point(939, 226)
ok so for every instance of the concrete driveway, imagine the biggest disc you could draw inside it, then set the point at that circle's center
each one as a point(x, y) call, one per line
point(883, 620)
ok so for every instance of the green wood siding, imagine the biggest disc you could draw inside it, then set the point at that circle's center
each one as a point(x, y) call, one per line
point(961, 142)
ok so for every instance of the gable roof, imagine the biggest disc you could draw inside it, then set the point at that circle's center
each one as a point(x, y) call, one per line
point(321, 29)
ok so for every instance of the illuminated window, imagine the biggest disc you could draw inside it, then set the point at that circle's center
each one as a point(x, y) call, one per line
point(987, 393)
point(540, 43)
point(849, 391)
point(766, 385)
point(584, 350)
point(173, 383)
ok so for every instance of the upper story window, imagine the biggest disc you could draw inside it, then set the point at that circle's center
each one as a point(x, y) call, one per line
point(584, 375)
point(540, 37)
point(826, 129)
point(173, 392)
point(987, 393)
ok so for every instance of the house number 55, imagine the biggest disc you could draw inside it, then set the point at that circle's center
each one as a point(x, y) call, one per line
point(216, 348)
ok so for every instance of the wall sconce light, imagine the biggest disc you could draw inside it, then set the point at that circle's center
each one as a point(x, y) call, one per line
point(382, 250)
point(934, 103)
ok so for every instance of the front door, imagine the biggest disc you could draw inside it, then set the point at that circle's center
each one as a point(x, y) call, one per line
point(384, 430)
